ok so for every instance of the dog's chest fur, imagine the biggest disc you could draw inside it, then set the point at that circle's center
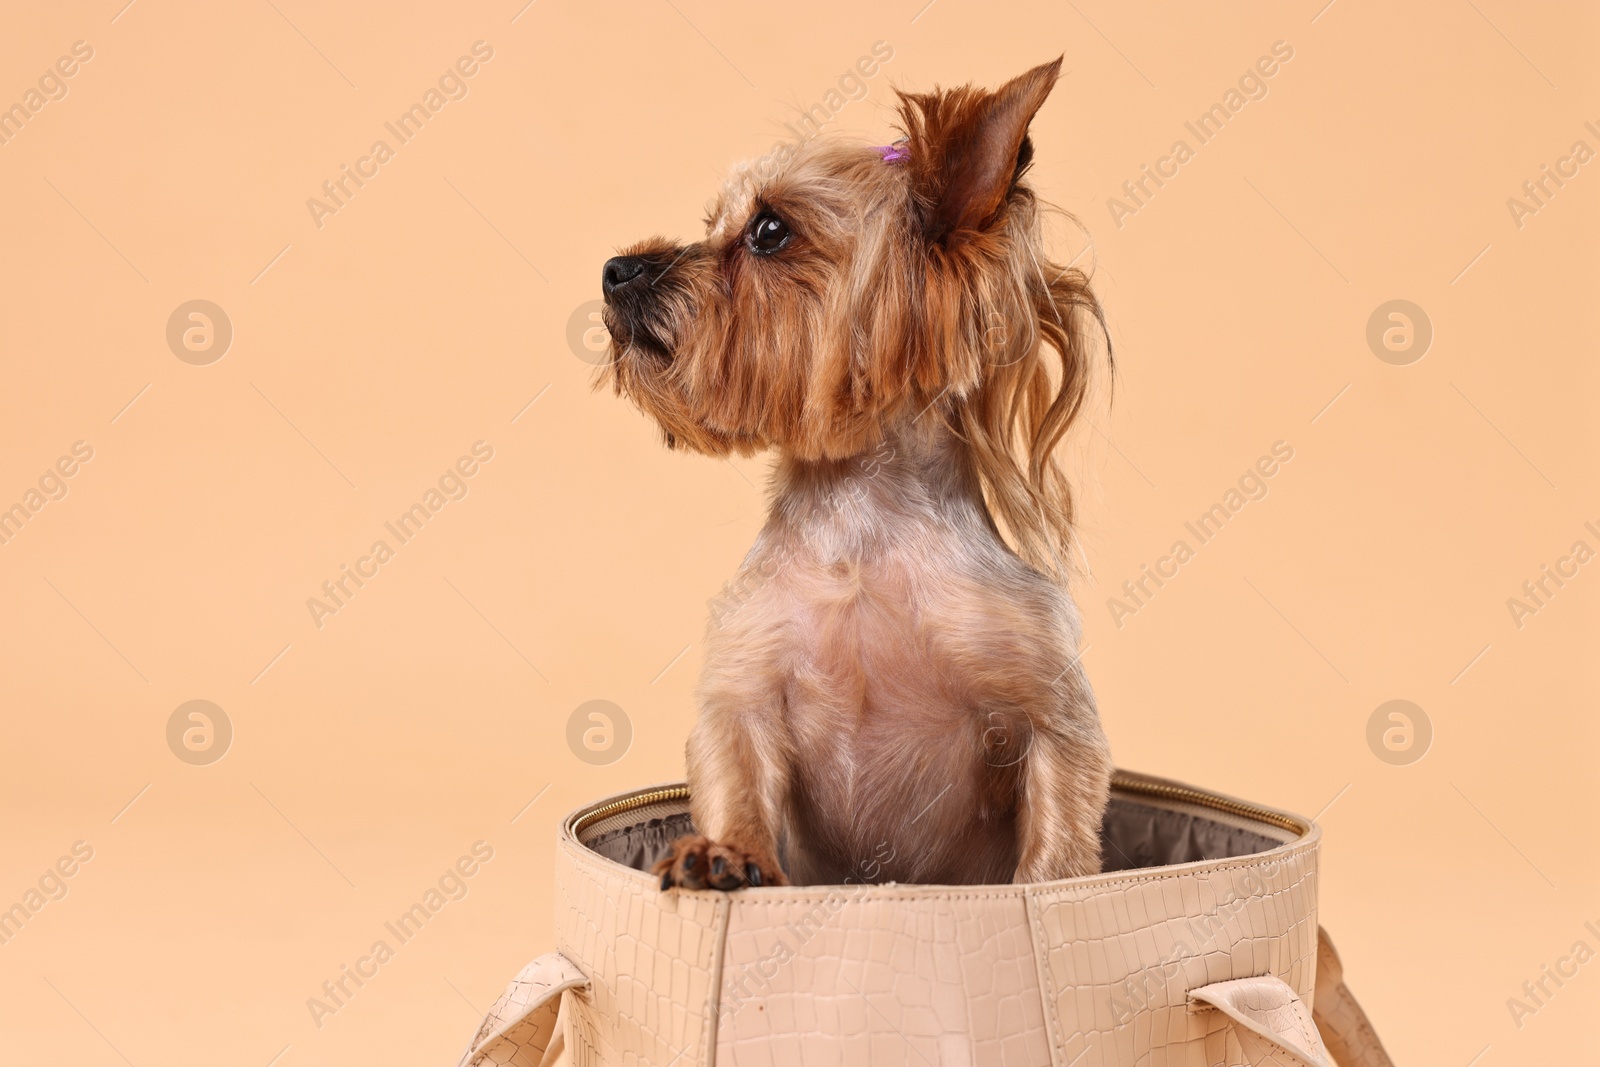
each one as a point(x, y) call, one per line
point(885, 604)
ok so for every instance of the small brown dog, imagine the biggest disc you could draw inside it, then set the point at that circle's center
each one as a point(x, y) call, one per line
point(891, 689)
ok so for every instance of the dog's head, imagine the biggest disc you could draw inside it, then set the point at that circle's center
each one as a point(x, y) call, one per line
point(843, 292)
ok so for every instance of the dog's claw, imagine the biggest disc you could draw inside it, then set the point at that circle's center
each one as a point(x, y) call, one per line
point(695, 862)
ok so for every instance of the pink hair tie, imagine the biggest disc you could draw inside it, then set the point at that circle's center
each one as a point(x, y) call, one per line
point(895, 153)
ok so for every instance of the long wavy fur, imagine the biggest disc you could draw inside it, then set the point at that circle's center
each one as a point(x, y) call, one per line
point(1026, 323)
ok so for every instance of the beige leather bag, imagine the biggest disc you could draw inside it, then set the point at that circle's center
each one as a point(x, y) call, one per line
point(1198, 946)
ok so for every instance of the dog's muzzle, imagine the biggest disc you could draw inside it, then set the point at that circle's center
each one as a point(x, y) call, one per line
point(634, 287)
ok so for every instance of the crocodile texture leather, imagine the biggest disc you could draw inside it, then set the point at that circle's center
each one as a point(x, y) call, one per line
point(1120, 955)
point(887, 975)
point(1207, 963)
point(650, 955)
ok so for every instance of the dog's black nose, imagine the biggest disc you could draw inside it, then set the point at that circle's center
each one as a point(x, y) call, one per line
point(619, 271)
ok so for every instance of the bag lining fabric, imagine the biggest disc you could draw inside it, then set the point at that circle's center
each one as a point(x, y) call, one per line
point(1136, 834)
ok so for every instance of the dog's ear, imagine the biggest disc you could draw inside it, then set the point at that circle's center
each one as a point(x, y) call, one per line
point(969, 147)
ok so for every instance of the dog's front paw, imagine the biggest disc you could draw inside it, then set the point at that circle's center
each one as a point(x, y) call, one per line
point(697, 862)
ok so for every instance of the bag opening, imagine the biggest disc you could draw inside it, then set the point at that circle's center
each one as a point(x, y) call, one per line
point(1148, 823)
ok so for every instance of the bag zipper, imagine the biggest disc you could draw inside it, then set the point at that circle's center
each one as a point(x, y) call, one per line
point(1122, 781)
point(628, 803)
point(1131, 784)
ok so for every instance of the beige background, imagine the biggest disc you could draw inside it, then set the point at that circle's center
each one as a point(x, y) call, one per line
point(425, 315)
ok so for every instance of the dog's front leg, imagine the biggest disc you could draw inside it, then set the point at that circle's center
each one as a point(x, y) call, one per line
point(738, 766)
point(1065, 784)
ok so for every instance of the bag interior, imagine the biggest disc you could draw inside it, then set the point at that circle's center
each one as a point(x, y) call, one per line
point(1138, 832)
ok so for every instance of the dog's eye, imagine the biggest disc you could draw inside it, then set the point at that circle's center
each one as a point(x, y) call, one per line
point(767, 233)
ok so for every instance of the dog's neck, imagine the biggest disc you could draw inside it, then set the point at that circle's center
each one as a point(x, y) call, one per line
point(917, 483)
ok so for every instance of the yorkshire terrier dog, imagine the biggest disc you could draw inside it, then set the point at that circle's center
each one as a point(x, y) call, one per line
point(891, 686)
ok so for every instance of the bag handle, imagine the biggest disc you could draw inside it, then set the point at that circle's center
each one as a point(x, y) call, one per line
point(522, 1029)
point(1270, 1019)
point(1344, 1025)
